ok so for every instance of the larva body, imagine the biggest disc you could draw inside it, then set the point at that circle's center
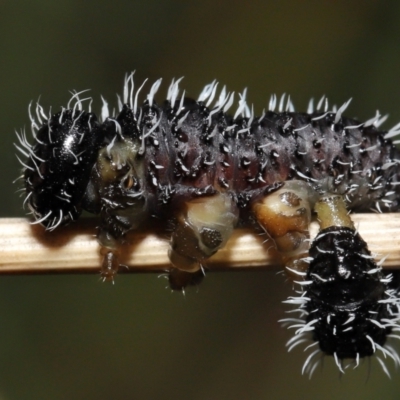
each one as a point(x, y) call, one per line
point(205, 171)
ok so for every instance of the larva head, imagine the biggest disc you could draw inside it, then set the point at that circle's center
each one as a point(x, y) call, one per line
point(58, 167)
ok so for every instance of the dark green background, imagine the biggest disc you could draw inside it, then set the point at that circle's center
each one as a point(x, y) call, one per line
point(70, 337)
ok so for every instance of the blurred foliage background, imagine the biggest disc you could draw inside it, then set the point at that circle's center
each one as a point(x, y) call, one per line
point(70, 337)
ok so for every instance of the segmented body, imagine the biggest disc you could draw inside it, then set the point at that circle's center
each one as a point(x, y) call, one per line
point(245, 155)
point(207, 171)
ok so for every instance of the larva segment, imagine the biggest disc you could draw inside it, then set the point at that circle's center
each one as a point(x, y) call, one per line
point(202, 229)
point(347, 303)
point(332, 212)
point(286, 215)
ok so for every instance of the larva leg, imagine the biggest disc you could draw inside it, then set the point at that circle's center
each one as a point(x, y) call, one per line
point(109, 250)
point(115, 222)
point(285, 215)
point(202, 229)
point(115, 191)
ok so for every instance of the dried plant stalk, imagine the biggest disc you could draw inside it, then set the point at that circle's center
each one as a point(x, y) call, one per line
point(26, 248)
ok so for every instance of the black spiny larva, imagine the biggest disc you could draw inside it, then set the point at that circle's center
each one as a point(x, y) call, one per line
point(193, 165)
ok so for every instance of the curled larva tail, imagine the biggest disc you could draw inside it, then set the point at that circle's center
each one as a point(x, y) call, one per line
point(347, 305)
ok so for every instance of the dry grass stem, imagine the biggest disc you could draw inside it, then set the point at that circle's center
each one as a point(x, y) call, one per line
point(26, 248)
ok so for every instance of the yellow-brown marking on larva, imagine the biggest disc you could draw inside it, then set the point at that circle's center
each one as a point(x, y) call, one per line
point(204, 227)
point(331, 211)
point(118, 161)
point(285, 215)
point(128, 182)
